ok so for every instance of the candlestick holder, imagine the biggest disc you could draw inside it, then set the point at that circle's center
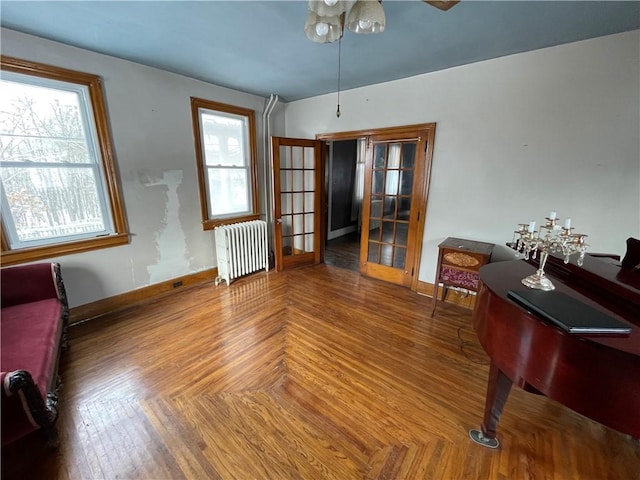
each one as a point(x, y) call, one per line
point(550, 238)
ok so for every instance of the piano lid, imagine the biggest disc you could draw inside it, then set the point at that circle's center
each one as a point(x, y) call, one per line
point(500, 277)
point(601, 279)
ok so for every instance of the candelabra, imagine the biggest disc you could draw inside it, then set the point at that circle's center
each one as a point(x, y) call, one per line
point(550, 238)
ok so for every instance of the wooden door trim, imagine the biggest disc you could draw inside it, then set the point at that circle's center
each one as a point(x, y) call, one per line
point(277, 213)
point(429, 130)
point(428, 158)
point(355, 134)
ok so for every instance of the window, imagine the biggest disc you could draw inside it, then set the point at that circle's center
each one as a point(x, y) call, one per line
point(226, 154)
point(58, 188)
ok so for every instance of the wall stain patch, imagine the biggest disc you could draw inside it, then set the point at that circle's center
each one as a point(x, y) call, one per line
point(171, 242)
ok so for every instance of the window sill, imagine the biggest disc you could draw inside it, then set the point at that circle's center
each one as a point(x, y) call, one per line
point(24, 255)
point(211, 224)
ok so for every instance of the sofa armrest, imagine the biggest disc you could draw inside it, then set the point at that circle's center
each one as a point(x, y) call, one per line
point(31, 283)
point(24, 408)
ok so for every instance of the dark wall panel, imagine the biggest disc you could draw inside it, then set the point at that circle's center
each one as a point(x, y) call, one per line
point(343, 175)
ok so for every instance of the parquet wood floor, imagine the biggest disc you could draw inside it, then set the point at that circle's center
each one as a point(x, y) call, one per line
point(316, 373)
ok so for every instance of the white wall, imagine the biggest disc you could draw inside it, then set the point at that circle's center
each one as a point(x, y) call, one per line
point(516, 137)
point(150, 118)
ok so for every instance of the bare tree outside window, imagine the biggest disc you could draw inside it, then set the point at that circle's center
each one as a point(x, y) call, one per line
point(48, 173)
point(53, 186)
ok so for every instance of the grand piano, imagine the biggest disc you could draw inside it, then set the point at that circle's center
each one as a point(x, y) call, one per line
point(596, 376)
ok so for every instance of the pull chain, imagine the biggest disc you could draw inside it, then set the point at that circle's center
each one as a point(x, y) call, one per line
point(339, 61)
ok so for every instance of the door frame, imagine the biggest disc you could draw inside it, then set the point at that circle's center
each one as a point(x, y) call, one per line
point(429, 130)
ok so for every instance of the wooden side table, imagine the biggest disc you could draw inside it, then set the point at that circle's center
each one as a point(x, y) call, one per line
point(458, 263)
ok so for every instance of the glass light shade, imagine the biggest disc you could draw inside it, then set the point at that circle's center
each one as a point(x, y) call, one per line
point(330, 8)
point(322, 29)
point(366, 16)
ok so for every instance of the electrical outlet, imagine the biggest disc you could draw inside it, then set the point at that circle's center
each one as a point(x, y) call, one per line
point(177, 284)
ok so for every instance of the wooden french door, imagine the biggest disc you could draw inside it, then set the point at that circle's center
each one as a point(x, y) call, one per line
point(396, 183)
point(297, 188)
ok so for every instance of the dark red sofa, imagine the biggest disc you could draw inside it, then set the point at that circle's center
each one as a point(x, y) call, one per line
point(33, 322)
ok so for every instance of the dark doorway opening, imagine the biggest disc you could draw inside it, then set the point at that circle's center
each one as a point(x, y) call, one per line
point(344, 204)
point(344, 252)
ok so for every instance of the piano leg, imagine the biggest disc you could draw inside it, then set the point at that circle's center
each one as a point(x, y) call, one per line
point(498, 389)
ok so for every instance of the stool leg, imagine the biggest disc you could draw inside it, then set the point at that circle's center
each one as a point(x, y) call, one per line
point(434, 299)
point(444, 292)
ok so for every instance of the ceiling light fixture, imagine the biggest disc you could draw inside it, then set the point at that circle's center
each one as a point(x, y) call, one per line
point(362, 16)
point(326, 19)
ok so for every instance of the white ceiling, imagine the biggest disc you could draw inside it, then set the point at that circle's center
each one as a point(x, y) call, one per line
point(260, 47)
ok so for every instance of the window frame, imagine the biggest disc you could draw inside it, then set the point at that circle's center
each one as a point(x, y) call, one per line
point(93, 83)
point(201, 103)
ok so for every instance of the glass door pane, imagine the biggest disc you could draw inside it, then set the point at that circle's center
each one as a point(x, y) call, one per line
point(297, 197)
point(296, 164)
point(390, 203)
